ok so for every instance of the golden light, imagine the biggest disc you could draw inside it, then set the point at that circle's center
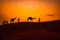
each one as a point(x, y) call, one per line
point(24, 9)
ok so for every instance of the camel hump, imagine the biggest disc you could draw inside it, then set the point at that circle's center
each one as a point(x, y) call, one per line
point(29, 17)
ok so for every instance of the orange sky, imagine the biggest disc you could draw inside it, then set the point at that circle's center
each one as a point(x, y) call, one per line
point(24, 9)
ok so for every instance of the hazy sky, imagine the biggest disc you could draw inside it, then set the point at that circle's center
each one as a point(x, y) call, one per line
point(24, 8)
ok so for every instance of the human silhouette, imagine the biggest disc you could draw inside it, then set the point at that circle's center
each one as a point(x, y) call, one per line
point(12, 20)
point(30, 19)
point(39, 20)
point(18, 19)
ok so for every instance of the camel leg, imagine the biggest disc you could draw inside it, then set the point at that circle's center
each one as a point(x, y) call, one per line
point(30, 20)
point(12, 21)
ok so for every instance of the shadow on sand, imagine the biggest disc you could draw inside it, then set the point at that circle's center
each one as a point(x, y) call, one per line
point(31, 31)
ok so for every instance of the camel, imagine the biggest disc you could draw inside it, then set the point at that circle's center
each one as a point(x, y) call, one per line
point(12, 20)
point(30, 19)
point(5, 22)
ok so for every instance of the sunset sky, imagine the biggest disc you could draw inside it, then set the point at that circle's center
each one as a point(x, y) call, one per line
point(24, 8)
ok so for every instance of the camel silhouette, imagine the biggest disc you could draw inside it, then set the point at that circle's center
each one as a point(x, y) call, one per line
point(12, 20)
point(5, 22)
point(30, 19)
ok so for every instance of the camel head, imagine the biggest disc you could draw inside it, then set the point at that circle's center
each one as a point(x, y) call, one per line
point(15, 18)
